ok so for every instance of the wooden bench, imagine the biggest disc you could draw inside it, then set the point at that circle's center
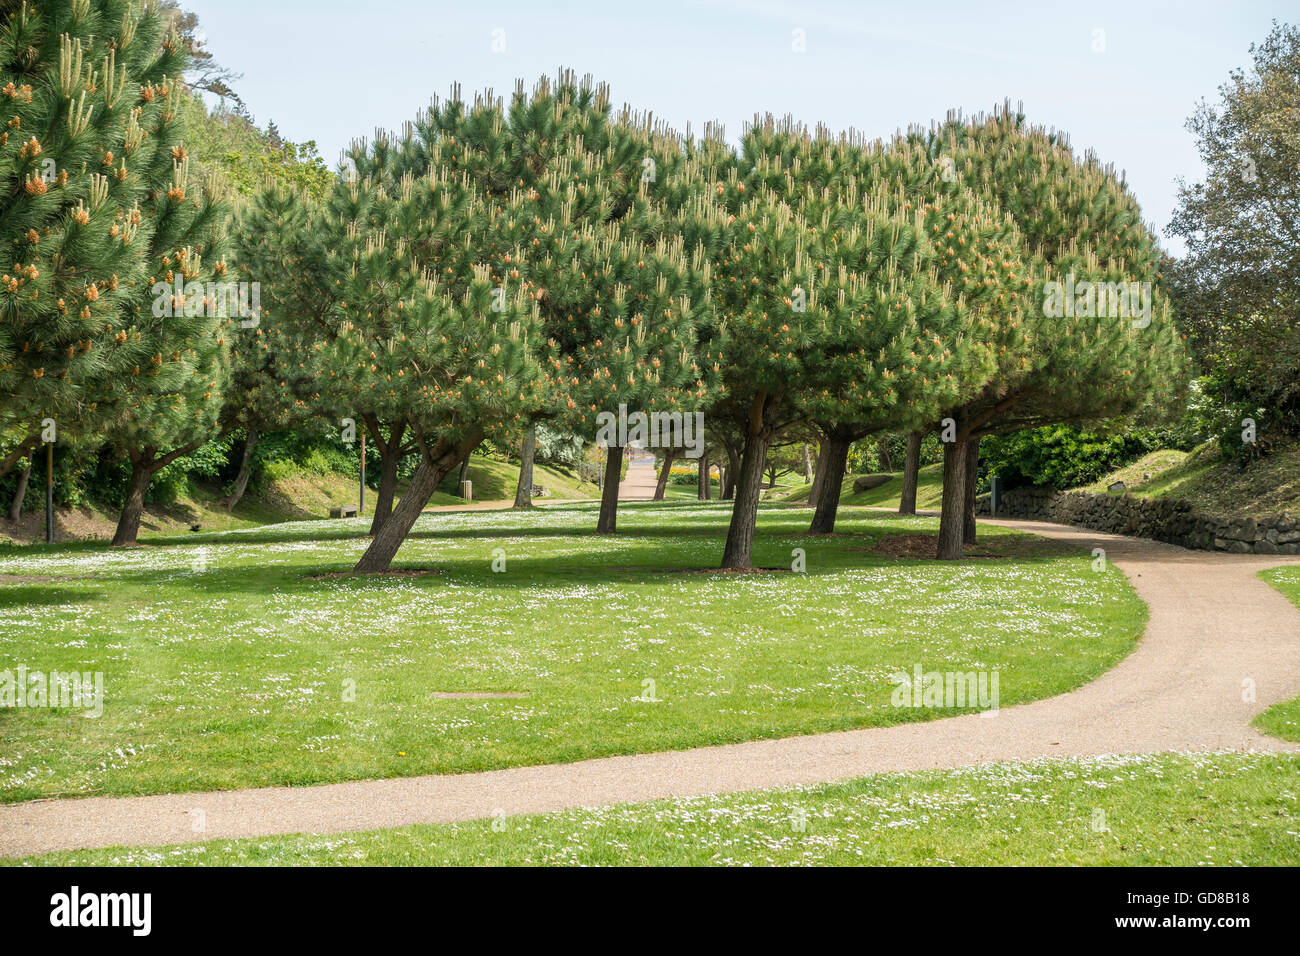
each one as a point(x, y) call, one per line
point(345, 511)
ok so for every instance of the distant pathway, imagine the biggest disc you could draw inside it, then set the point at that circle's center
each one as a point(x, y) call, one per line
point(641, 479)
point(1213, 626)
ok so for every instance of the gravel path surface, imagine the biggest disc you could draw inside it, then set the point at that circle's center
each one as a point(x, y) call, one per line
point(639, 482)
point(1213, 626)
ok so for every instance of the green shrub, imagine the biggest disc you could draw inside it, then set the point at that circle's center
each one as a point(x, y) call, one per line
point(279, 469)
point(1061, 456)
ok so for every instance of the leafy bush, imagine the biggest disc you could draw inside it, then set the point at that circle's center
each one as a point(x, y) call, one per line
point(683, 473)
point(1061, 456)
point(1065, 456)
point(865, 456)
point(279, 469)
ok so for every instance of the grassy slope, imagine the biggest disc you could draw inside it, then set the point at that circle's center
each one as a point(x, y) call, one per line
point(1283, 720)
point(929, 491)
point(227, 661)
point(496, 481)
point(299, 498)
point(1185, 810)
point(1268, 486)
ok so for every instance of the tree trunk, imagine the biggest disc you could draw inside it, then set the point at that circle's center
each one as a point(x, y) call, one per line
point(390, 459)
point(26, 446)
point(911, 473)
point(808, 473)
point(144, 465)
point(739, 551)
point(834, 462)
point(16, 509)
point(389, 462)
point(733, 473)
point(819, 475)
point(703, 482)
point(608, 519)
point(464, 474)
point(661, 486)
point(435, 464)
point(524, 490)
point(245, 470)
point(952, 520)
point(128, 523)
point(972, 478)
point(886, 463)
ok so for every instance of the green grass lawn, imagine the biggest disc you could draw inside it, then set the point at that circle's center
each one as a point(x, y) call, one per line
point(229, 662)
point(1283, 720)
point(1170, 810)
point(689, 492)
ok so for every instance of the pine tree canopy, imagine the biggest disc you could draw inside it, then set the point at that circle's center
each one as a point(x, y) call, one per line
point(89, 146)
point(1113, 346)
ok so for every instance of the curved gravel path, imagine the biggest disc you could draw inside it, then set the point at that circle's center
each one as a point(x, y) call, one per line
point(1213, 626)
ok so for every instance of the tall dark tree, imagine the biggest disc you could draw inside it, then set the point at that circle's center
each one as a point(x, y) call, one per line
point(1238, 287)
point(276, 243)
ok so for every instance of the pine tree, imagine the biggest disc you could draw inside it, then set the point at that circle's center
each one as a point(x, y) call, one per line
point(627, 341)
point(599, 203)
point(836, 306)
point(1078, 218)
point(547, 199)
point(82, 83)
point(168, 399)
point(955, 307)
point(272, 383)
point(435, 328)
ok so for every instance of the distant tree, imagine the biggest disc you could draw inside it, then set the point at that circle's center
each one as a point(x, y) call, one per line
point(276, 243)
point(247, 157)
point(203, 72)
point(277, 247)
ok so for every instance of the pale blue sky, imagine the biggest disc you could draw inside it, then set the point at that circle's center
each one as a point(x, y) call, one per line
point(330, 70)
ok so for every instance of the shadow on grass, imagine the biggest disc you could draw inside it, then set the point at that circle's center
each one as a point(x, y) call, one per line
point(640, 559)
point(27, 595)
point(642, 553)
